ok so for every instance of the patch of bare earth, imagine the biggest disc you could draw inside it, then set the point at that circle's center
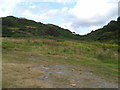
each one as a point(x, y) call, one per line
point(37, 72)
point(65, 76)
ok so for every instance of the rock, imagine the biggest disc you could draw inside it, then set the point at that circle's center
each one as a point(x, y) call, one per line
point(73, 85)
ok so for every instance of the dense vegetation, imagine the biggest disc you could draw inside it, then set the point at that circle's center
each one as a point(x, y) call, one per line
point(21, 27)
point(109, 33)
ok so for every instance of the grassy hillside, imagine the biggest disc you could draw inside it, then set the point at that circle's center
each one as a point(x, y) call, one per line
point(109, 33)
point(21, 27)
point(42, 63)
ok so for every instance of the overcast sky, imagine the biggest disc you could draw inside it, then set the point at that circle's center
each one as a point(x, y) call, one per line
point(80, 16)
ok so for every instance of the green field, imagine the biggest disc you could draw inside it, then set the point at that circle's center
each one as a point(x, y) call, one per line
point(19, 54)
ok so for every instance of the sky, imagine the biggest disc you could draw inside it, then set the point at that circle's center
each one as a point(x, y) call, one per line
point(79, 16)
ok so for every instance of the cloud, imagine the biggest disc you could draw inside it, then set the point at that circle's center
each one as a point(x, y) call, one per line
point(32, 6)
point(47, 14)
point(91, 14)
point(7, 7)
point(54, 1)
point(119, 8)
point(4, 11)
point(35, 17)
point(93, 28)
point(57, 13)
point(52, 12)
point(9, 1)
point(66, 25)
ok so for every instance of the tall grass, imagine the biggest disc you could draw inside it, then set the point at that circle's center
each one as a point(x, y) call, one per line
point(98, 50)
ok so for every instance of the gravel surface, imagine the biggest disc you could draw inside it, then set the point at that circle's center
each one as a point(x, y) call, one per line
point(65, 76)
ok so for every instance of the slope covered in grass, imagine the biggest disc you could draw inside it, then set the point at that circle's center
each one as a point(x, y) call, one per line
point(20, 54)
point(21, 27)
point(109, 33)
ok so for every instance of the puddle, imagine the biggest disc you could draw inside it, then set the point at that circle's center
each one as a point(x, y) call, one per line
point(50, 72)
point(34, 58)
point(40, 67)
point(55, 72)
point(33, 68)
point(60, 72)
point(43, 77)
point(45, 68)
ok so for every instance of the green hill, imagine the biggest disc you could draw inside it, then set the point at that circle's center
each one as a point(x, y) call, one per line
point(109, 33)
point(21, 27)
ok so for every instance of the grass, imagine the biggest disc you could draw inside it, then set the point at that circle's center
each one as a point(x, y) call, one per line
point(98, 58)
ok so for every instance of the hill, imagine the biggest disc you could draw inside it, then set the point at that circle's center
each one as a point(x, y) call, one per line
point(21, 27)
point(109, 33)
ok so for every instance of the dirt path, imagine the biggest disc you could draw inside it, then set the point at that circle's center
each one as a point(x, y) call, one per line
point(39, 72)
point(66, 76)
